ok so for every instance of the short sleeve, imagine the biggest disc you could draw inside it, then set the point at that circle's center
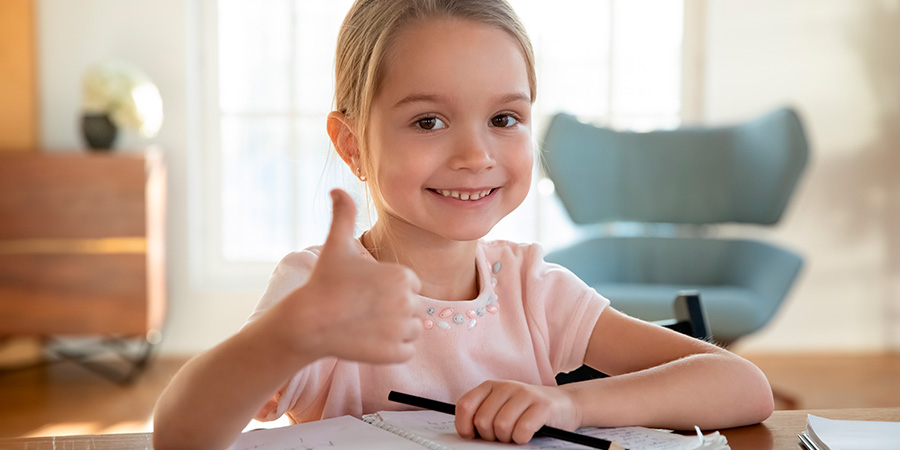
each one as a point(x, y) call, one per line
point(565, 305)
point(291, 273)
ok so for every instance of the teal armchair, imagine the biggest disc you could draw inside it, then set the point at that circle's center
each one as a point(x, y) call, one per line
point(672, 188)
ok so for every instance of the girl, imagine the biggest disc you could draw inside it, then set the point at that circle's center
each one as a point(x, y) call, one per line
point(433, 102)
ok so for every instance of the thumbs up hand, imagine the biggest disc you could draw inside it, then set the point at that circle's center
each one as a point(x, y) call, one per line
point(352, 307)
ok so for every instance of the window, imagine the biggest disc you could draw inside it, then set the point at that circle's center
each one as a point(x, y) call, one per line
point(267, 78)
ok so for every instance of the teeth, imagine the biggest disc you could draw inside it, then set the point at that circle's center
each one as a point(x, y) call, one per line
point(464, 195)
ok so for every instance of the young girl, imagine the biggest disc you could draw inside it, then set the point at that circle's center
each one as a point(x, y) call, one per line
point(433, 102)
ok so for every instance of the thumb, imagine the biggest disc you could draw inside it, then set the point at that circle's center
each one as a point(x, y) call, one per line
point(343, 219)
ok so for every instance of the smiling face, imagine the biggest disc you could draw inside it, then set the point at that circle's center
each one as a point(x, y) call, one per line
point(449, 145)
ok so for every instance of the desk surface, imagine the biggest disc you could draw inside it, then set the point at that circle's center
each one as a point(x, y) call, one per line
point(777, 432)
point(780, 431)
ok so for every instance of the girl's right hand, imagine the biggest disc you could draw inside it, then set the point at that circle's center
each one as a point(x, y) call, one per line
point(352, 307)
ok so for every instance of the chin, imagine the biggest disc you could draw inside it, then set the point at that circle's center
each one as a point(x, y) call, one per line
point(467, 233)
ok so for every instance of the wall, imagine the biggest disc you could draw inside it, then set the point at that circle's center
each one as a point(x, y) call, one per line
point(838, 63)
point(72, 35)
point(836, 60)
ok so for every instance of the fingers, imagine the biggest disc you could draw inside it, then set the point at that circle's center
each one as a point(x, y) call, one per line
point(371, 306)
point(392, 345)
point(530, 420)
point(466, 408)
point(405, 286)
point(498, 417)
point(501, 411)
point(402, 352)
point(415, 284)
point(343, 221)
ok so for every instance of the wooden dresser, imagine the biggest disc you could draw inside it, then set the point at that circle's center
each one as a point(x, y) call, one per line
point(82, 244)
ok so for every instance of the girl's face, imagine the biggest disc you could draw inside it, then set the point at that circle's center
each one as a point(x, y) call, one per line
point(450, 131)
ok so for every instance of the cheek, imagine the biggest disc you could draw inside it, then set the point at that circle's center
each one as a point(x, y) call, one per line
point(401, 173)
point(524, 161)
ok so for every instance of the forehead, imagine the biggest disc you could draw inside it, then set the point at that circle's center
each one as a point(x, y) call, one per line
point(453, 55)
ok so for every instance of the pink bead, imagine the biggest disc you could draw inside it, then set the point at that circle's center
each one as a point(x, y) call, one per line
point(447, 312)
point(428, 324)
point(471, 314)
point(492, 308)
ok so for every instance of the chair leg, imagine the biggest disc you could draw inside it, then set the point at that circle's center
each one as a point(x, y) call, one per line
point(135, 360)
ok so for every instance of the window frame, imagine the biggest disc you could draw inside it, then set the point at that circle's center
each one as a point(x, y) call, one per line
point(208, 269)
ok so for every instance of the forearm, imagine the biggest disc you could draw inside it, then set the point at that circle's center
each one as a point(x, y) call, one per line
point(214, 396)
point(709, 390)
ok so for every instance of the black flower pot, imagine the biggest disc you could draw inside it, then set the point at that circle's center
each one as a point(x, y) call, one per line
point(99, 131)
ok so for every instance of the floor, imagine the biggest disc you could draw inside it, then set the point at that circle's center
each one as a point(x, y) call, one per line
point(65, 399)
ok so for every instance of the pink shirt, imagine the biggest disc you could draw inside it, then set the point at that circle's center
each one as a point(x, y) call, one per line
point(531, 320)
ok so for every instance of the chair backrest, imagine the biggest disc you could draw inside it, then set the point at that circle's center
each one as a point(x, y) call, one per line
point(743, 173)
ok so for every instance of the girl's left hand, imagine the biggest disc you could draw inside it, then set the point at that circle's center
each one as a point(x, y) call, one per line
point(510, 411)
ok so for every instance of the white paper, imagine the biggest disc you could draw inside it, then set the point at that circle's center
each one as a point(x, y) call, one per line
point(439, 427)
point(339, 433)
point(854, 434)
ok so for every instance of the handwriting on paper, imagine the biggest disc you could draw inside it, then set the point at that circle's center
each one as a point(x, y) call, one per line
point(339, 433)
point(439, 427)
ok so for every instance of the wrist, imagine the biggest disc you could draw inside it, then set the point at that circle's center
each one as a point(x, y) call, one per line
point(574, 397)
point(604, 402)
point(289, 331)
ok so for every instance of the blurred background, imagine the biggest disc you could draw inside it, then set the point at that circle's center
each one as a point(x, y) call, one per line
point(245, 87)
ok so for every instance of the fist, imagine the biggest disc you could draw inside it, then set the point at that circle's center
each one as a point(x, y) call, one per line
point(510, 411)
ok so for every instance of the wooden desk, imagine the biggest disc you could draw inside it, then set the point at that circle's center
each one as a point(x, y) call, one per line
point(780, 431)
point(776, 433)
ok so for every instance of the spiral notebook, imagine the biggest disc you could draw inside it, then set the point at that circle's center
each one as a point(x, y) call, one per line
point(436, 431)
point(415, 430)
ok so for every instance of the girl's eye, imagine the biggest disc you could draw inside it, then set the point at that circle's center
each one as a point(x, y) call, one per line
point(430, 123)
point(503, 121)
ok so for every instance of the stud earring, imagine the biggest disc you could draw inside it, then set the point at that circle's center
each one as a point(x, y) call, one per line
point(360, 176)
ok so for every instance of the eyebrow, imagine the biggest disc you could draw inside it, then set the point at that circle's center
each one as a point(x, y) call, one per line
point(433, 98)
point(512, 98)
point(420, 98)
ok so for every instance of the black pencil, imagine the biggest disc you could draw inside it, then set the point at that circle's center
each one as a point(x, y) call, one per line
point(545, 431)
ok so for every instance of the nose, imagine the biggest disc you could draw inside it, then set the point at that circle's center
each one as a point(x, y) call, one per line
point(472, 151)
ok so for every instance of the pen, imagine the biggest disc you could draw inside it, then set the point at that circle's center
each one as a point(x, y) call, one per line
point(544, 431)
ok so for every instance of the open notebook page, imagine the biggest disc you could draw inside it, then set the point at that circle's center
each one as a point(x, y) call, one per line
point(439, 427)
point(339, 433)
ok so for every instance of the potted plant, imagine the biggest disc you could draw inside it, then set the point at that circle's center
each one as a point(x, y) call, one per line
point(118, 95)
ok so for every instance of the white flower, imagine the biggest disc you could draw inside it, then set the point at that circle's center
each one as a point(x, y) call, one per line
point(125, 93)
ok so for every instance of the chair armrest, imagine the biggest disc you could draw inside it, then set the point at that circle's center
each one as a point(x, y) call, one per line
point(763, 268)
point(690, 317)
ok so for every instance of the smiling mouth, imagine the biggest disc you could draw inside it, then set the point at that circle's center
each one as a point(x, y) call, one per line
point(464, 195)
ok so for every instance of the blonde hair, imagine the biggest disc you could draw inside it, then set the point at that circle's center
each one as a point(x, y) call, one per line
point(367, 33)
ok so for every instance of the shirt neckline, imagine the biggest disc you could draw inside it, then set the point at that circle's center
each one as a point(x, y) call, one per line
point(486, 280)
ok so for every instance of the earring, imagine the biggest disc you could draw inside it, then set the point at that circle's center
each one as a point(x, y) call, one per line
point(360, 176)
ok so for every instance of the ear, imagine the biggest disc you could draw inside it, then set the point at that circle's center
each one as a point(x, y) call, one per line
point(343, 136)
